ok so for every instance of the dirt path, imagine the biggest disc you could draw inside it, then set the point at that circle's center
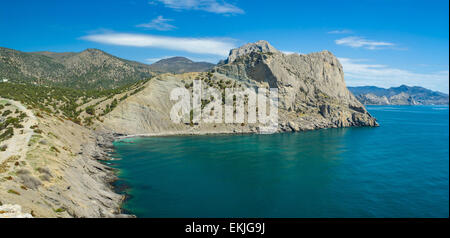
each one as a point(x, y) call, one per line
point(18, 144)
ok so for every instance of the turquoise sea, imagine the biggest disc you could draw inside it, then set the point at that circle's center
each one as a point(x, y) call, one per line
point(400, 169)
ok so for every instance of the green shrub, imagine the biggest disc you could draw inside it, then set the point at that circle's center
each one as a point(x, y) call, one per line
point(38, 131)
point(90, 110)
point(59, 210)
point(7, 134)
point(54, 149)
point(13, 192)
point(6, 113)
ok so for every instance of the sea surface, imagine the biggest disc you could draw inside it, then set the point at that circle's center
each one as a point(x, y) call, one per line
point(400, 169)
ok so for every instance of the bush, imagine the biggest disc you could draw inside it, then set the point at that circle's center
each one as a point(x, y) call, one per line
point(3, 147)
point(7, 134)
point(61, 209)
point(90, 110)
point(6, 113)
point(13, 192)
point(37, 131)
point(54, 149)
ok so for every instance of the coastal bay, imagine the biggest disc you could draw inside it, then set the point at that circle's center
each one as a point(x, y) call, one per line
point(342, 172)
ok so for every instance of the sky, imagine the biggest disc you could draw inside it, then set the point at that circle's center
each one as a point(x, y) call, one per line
point(382, 43)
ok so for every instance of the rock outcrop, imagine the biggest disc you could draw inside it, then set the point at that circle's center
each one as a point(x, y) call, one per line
point(13, 211)
point(312, 94)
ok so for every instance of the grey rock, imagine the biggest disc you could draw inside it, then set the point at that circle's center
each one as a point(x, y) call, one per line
point(29, 181)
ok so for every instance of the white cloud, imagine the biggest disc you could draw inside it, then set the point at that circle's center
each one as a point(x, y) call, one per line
point(291, 52)
point(340, 32)
point(358, 73)
point(212, 46)
point(214, 6)
point(160, 23)
point(358, 42)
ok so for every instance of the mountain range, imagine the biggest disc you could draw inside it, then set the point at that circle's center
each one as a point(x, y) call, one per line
point(91, 68)
point(178, 65)
point(403, 95)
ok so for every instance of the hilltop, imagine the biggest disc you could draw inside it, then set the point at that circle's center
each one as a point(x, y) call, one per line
point(178, 65)
point(90, 68)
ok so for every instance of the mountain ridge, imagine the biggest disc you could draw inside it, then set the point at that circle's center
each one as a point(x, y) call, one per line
point(91, 68)
point(87, 69)
point(179, 64)
point(402, 95)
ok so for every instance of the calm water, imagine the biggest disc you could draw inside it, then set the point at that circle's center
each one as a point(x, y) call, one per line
point(400, 169)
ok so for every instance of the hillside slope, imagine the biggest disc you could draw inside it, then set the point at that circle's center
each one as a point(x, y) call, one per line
point(91, 68)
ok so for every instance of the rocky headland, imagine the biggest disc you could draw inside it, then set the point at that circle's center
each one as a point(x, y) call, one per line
point(59, 170)
point(312, 94)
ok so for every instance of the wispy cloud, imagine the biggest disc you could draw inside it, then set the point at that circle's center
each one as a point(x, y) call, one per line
point(360, 73)
point(360, 42)
point(340, 32)
point(288, 52)
point(160, 23)
point(291, 52)
point(214, 6)
point(213, 46)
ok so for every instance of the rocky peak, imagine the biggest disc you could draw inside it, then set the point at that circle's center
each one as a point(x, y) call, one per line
point(260, 47)
point(93, 51)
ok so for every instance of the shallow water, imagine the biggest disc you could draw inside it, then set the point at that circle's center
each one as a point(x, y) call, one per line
point(400, 169)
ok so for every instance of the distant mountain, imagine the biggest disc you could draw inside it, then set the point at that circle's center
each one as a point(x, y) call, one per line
point(91, 68)
point(178, 65)
point(403, 95)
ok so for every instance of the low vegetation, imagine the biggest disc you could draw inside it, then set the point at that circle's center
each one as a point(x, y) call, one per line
point(65, 103)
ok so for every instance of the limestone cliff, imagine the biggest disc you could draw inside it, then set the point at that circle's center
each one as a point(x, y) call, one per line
point(312, 94)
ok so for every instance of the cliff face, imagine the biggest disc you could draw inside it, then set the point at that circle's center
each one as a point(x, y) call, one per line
point(311, 87)
point(312, 94)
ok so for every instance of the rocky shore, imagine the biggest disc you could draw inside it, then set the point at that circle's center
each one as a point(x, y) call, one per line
point(60, 174)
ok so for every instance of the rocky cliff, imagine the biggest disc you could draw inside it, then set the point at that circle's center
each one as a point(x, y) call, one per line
point(312, 94)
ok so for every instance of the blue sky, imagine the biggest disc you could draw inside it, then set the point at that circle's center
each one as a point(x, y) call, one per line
point(381, 42)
